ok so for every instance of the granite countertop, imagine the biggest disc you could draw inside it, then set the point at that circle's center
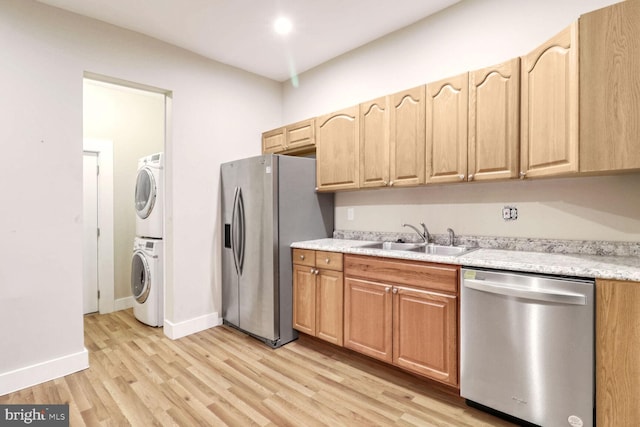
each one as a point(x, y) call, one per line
point(578, 265)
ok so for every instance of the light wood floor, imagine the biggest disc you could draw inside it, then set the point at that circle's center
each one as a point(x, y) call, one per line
point(220, 376)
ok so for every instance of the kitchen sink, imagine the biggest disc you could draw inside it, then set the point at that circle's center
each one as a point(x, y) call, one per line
point(442, 249)
point(431, 248)
point(393, 246)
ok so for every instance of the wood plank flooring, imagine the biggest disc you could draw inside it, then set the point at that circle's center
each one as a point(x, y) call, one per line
point(218, 377)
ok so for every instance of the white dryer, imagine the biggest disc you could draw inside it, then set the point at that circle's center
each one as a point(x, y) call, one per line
point(147, 281)
point(149, 196)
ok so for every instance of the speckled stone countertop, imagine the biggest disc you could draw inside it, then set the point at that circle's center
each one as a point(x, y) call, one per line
point(578, 265)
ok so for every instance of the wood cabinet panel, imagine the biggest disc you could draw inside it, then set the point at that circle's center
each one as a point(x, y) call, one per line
point(494, 122)
point(329, 306)
point(273, 141)
point(300, 136)
point(337, 150)
point(447, 106)
point(304, 257)
point(549, 128)
point(439, 277)
point(407, 137)
point(617, 353)
point(318, 294)
point(374, 143)
point(610, 88)
point(425, 333)
point(304, 299)
point(368, 319)
point(329, 260)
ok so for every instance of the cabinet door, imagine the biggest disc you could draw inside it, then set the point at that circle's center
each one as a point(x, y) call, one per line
point(494, 121)
point(374, 143)
point(446, 129)
point(304, 299)
point(425, 333)
point(337, 150)
point(610, 88)
point(368, 319)
point(300, 137)
point(407, 137)
point(329, 306)
point(617, 352)
point(549, 130)
point(273, 141)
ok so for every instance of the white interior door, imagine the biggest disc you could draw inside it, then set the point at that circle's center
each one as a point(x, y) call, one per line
point(90, 232)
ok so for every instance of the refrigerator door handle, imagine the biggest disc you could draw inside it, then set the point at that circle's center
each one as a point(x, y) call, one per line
point(234, 229)
point(242, 232)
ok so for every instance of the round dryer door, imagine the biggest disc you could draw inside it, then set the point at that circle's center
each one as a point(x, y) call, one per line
point(145, 192)
point(140, 277)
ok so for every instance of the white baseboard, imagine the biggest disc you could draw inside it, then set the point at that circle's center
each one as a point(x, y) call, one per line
point(123, 303)
point(191, 326)
point(41, 372)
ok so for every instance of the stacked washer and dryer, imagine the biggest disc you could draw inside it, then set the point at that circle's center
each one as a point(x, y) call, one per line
point(147, 262)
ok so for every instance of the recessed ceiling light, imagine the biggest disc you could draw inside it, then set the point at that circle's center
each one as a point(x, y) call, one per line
point(282, 25)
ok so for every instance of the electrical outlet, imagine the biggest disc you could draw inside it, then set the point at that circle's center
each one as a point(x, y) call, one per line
point(509, 213)
point(350, 214)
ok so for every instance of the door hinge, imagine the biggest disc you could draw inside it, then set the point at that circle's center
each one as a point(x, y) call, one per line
point(98, 233)
point(98, 293)
point(97, 169)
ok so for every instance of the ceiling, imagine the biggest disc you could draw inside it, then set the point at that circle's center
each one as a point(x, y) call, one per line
point(240, 32)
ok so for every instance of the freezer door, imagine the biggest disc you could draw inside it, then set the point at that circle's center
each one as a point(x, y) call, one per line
point(230, 280)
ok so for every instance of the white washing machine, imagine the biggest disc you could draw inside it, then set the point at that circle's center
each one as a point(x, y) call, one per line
point(149, 196)
point(147, 281)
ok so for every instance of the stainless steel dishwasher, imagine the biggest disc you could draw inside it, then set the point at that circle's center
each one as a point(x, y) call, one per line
point(527, 346)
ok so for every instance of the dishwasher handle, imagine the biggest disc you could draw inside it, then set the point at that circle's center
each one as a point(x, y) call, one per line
point(520, 292)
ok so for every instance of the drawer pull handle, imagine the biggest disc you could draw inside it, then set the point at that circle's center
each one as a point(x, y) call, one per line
point(327, 260)
point(301, 256)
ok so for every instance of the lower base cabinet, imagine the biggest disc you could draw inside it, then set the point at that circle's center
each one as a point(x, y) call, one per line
point(404, 313)
point(318, 294)
point(617, 353)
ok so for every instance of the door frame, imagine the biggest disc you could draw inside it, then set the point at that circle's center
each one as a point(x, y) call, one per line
point(104, 149)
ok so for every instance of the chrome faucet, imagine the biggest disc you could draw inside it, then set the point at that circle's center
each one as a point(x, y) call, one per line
point(452, 236)
point(423, 235)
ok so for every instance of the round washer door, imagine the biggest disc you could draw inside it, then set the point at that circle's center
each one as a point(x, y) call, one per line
point(145, 192)
point(140, 277)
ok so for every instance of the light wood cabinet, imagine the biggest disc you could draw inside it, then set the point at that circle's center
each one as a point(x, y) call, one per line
point(447, 105)
point(403, 312)
point(610, 88)
point(374, 143)
point(318, 294)
point(549, 107)
point(617, 353)
point(337, 150)
point(407, 137)
point(392, 140)
point(296, 138)
point(494, 122)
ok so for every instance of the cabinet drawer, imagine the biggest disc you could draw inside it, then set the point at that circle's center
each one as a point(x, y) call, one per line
point(439, 277)
point(329, 260)
point(304, 257)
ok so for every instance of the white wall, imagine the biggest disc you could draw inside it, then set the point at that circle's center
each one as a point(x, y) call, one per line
point(134, 120)
point(218, 113)
point(467, 36)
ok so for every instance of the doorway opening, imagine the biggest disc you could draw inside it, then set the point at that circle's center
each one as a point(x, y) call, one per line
point(122, 122)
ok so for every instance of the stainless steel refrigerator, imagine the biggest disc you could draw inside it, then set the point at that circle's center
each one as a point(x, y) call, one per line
point(268, 202)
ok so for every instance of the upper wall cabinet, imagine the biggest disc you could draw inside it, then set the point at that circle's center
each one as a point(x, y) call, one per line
point(549, 128)
point(446, 129)
point(296, 138)
point(494, 122)
point(407, 137)
point(337, 150)
point(374, 143)
point(610, 88)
